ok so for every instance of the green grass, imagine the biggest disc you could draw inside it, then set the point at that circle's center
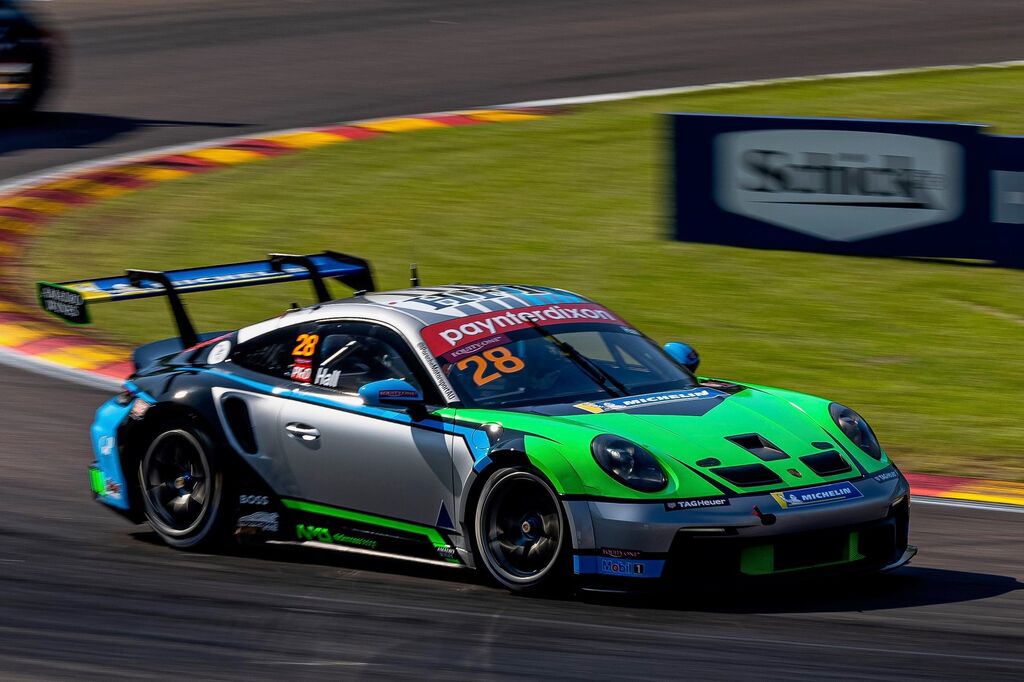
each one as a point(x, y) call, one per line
point(930, 353)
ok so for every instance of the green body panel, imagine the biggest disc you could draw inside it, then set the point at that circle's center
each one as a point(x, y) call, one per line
point(430, 534)
point(560, 446)
point(96, 482)
point(760, 559)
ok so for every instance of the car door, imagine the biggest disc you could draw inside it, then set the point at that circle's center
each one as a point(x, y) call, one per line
point(343, 454)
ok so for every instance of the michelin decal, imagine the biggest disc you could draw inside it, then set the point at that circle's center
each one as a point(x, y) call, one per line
point(650, 399)
point(822, 494)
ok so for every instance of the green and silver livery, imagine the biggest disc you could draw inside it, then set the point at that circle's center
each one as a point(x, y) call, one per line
point(523, 430)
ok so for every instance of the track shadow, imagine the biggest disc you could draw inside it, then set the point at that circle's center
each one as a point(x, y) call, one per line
point(312, 556)
point(904, 588)
point(65, 130)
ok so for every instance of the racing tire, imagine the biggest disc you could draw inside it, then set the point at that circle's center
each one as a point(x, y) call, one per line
point(181, 482)
point(521, 535)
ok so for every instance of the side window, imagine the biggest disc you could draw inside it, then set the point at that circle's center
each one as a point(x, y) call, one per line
point(351, 354)
point(271, 353)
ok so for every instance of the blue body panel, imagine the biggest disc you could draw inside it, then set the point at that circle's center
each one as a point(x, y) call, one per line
point(211, 277)
point(109, 418)
point(618, 567)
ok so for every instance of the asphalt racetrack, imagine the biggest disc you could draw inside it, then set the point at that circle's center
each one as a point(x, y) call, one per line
point(84, 595)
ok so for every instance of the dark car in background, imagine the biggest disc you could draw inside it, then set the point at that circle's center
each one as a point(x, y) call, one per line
point(27, 55)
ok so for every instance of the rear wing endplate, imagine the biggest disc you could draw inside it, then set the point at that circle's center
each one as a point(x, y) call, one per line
point(70, 300)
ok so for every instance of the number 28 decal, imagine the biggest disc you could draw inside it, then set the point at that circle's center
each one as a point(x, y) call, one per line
point(499, 359)
point(305, 345)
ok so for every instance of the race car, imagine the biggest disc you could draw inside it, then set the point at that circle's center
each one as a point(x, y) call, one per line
point(27, 55)
point(523, 430)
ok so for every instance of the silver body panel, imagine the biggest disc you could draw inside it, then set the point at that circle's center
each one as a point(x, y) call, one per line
point(650, 527)
point(371, 465)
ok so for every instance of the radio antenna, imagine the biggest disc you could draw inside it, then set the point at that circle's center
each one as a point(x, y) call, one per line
point(414, 277)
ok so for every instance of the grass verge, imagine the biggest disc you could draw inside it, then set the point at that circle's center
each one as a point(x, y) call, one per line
point(930, 353)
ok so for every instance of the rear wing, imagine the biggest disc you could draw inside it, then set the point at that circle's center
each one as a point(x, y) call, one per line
point(70, 300)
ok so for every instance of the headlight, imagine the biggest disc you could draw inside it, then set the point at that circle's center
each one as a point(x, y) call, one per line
point(856, 429)
point(628, 463)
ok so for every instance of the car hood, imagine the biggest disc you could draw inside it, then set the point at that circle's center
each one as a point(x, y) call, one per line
point(720, 438)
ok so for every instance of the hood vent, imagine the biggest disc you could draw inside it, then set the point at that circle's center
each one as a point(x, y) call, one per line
point(826, 463)
point(748, 475)
point(758, 446)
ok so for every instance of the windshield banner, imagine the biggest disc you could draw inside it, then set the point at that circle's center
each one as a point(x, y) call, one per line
point(444, 337)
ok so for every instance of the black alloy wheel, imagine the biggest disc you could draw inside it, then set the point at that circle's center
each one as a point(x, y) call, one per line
point(521, 532)
point(181, 487)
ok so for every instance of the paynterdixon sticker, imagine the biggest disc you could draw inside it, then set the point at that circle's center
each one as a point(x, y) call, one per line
point(822, 494)
point(447, 336)
point(635, 401)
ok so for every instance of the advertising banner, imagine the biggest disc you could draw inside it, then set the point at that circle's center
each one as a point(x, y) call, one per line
point(866, 187)
point(1007, 197)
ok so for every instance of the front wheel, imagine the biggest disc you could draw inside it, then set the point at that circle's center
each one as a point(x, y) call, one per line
point(520, 532)
point(181, 484)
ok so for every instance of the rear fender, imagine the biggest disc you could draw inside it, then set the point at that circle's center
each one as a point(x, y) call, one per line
point(172, 403)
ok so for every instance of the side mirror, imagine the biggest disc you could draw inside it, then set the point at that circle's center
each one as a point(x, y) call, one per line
point(390, 393)
point(683, 353)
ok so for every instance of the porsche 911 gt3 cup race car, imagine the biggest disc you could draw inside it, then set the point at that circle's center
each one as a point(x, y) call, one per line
point(524, 430)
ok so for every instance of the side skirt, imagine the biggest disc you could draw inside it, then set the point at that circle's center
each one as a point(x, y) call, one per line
point(365, 552)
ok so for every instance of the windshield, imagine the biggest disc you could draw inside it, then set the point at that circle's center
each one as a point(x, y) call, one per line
point(523, 365)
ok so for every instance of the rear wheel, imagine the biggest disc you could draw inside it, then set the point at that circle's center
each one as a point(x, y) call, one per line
point(521, 534)
point(181, 484)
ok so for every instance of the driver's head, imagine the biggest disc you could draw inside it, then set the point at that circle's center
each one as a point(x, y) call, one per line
point(543, 364)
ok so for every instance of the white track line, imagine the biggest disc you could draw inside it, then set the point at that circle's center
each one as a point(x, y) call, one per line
point(56, 370)
point(687, 89)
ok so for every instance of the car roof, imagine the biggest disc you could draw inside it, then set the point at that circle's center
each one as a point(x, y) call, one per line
point(414, 308)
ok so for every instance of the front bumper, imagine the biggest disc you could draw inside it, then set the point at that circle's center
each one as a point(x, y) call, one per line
point(107, 480)
point(750, 536)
